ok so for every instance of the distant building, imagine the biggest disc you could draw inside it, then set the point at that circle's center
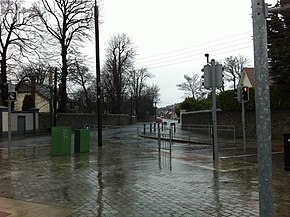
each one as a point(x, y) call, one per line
point(42, 96)
point(247, 77)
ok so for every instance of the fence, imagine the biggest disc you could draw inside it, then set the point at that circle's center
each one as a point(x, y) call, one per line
point(162, 132)
point(203, 133)
point(192, 133)
point(165, 134)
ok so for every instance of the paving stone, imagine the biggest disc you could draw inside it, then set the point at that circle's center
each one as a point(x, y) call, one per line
point(129, 180)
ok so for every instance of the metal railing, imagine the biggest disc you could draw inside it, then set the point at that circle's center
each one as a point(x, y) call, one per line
point(200, 132)
point(165, 134)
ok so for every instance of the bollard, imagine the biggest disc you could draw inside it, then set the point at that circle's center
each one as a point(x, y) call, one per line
point(159, 139)
point(144, 129)
point(170, 141)
point(138, 135)
point(150, 127)
point(154, 125)
point(172, 125)
point(286, 152)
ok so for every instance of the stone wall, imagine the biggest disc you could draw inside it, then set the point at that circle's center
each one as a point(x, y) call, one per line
point(80, 120)
point(280, 121)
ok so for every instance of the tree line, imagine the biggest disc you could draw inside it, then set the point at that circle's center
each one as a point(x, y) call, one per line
point(48, 35)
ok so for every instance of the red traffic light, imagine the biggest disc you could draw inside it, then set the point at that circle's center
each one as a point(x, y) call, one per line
point(245, 93)
point(245, 89)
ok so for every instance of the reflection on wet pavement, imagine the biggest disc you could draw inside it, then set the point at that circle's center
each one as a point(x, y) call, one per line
point(136, 180)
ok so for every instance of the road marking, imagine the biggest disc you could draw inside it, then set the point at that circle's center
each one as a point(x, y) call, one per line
point(246, 155)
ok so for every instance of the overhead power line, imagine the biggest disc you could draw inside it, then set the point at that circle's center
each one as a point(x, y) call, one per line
point(191, 55)
point(194, 59)
point(193, 46)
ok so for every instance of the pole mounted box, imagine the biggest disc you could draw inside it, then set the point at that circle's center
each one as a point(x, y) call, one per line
point(207, 76)
point(11, 87)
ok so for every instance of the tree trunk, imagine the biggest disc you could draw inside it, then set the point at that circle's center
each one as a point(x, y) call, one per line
point(3, 79)
point(63, 94)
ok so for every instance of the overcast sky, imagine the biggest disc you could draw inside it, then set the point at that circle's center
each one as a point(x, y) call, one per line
point(172, 36)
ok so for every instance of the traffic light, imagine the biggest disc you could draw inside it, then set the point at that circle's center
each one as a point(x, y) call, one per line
point(219, 75)
point(245, 93)
point(207, 76)
point(238, 94)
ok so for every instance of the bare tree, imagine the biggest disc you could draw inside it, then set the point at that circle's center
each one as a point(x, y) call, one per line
point(150, 96)
point(190, 86)
point(17, 36)
point(68, 22)
point(137, 85)
point(116, 71)
point(39, 71)
point(233, 67)
point(79, 75)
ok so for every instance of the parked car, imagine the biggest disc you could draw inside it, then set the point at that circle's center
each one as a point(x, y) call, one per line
point(159, 120)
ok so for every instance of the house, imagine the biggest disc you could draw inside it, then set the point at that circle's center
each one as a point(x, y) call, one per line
point(247, 77)
point(42, 96)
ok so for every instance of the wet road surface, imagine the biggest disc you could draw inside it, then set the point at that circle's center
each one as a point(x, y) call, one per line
point(134, 179)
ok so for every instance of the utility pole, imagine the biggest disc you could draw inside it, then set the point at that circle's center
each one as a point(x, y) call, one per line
point(263, 112)
point(55, 98)
point(99, 94)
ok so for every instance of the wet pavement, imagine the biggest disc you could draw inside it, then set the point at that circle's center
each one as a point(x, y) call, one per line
point(125, 178)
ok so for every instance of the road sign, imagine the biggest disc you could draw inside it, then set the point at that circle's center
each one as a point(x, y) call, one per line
point(12, 96)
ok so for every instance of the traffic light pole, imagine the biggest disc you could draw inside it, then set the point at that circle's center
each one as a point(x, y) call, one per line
point(263, 112)
point(244, 125)
point(213, 78)
point(213, 110)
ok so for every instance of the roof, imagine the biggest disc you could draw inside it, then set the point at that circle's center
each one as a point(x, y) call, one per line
point(248, 77)
point(41, 89)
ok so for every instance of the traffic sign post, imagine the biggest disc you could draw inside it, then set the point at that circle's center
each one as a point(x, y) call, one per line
point(11, 97)
point(213, 78)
